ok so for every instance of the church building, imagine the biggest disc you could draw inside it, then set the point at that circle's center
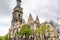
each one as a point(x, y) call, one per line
point(18, 20)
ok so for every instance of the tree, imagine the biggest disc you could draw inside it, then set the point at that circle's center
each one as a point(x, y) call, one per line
point(6, 37)
point(0, 37)
point(25, 30)
point(42, 30)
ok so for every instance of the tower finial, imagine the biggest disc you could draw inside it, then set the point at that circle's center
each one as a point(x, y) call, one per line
point(18, 2)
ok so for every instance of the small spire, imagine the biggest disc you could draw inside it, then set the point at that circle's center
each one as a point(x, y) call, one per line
point(37, 20)
point(30, 19)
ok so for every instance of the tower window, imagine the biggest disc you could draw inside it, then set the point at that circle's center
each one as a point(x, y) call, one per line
point(19, 15)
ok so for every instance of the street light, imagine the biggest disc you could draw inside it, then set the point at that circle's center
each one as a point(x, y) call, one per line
point(58, 28)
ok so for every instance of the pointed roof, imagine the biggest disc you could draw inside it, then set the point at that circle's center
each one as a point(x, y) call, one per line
point(30, 19)
point(37, 20)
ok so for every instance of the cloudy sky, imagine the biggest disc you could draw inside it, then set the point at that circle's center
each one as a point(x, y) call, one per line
point(45, 9)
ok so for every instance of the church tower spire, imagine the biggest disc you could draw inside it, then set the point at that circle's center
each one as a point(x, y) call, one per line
point(18, 12)
point(30, 19)
point(16, 21)
point(37, 22)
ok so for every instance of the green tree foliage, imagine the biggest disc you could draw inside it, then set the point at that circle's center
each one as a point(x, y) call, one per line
point(0, 37)
point(42, 30)
point(25, 30)
point(6, 37)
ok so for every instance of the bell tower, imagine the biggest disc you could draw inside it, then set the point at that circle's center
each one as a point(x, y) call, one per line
point(17, 12)
point(16, 21)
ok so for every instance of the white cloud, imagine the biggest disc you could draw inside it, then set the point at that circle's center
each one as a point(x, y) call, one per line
point(4, 30)
point(4, 25)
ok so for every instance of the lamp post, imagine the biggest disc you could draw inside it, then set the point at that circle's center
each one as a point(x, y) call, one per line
point(58, 28)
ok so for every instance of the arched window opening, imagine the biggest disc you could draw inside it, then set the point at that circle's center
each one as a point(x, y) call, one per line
point(19, 15)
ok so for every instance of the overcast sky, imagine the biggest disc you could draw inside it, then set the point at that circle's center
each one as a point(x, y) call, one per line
point(45, 9)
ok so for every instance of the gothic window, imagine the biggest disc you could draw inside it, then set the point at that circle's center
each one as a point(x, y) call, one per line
point(18, 15)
